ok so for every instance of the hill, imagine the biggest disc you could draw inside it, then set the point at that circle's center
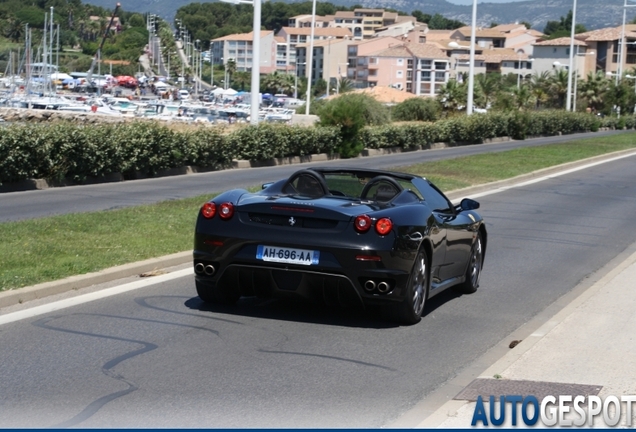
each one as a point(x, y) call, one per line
point(591, 13)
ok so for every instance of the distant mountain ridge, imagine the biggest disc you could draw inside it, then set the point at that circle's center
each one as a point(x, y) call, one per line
point(593, 14)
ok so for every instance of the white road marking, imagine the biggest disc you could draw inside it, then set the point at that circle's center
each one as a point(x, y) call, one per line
point(66, 303)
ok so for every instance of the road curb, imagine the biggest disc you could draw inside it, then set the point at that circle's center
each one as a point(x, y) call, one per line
point(21, 295)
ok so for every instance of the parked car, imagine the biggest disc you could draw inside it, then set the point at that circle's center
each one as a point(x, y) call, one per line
point(340, 235)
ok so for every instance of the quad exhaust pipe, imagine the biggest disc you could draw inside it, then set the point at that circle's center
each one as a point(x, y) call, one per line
point(369, 285)
point(201, 268)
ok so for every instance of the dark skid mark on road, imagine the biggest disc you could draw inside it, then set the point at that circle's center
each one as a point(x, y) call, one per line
point(328, 357)
point(96, 405)
point(157, 322)
point(142, 301)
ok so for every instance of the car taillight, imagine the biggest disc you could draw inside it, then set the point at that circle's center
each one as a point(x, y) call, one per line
point(362, 223)
point(208, 210)
point(383, 226)
point(226, 211)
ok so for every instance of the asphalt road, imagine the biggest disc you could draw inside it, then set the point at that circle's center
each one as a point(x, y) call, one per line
point(39, 203)
point(156, 357)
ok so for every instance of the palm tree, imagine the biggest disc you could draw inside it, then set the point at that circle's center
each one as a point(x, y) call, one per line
point(345, 85)
point(277, 82)
point(230, 68)
point(523, 97)
point(452, 96)
point(488, 85)
point(14, 29)
point(539, 85)
point(242, 79)
point(558, 87)
point(594, 89)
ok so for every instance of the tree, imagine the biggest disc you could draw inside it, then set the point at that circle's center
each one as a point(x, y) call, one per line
point(319, 88)
point(242, 80)
point(277, 82)
point(488, 85)
point(136, 21)
point(230, 68)
point(593, 90)
point(439, 22)
point(14, 29)
point(563, 28)
point(417, 109)
point(351, 112)
point(452, 96)
point(345, 85)
point(523, 97)
point(558, 87)
point(539, 85)
point(421, 16)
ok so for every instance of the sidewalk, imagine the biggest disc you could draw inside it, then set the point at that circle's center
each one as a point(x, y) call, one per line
point(589, 347)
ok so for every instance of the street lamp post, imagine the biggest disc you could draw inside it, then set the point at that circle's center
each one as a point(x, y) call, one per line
point(576, 75)
point(568, 100)
point(296, 79)
point(255, 102)
point(621, 44)
point(471, 67)
point(310, 57)
point(197, 66)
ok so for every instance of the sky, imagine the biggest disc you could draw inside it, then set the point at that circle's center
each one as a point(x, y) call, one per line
point(470, 2)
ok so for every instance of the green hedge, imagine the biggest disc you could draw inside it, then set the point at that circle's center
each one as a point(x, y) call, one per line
point(477, 128)
point(77, 152)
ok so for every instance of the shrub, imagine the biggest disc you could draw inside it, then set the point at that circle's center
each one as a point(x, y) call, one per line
point(351, 112)
point(417, 109)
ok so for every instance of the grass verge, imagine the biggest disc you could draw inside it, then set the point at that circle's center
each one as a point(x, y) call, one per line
point(52, 248)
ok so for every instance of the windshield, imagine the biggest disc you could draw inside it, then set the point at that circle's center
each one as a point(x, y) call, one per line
point(351, 185)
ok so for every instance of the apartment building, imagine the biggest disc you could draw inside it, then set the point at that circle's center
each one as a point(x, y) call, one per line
point(513, 36)
point(329, 60)
point(605, 43)
point(362, 23)
point(357, 51)
point(299, 21)
point(239, 47)
point(421, 69)
point(555, 54)
point(289, 37)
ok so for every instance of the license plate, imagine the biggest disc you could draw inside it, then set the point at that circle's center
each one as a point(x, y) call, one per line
point(287, 255)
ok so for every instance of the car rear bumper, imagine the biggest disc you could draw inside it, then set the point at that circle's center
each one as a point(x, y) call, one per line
point(368, 283)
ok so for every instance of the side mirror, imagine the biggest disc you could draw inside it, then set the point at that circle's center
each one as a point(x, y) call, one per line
point(468, 204)
point(266, 185)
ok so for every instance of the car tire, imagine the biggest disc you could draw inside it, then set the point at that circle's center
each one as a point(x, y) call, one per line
point(473, 271)
point(410, 310)
point(210, 293)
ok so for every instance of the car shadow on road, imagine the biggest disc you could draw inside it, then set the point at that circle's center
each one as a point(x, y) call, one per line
point(313, 312)
point(296, 310)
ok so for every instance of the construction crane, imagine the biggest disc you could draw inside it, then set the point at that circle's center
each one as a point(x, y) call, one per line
point(96, 58)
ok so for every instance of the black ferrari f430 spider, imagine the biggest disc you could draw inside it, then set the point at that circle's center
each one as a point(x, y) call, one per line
point(340, 235)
